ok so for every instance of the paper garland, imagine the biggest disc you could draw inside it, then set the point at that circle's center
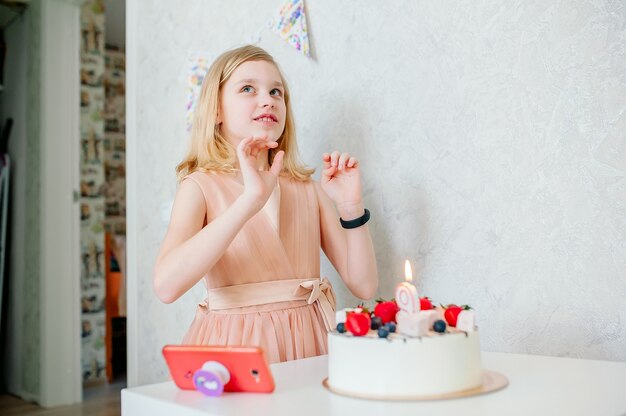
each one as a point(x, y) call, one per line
point(290, 25)
point(198, 68)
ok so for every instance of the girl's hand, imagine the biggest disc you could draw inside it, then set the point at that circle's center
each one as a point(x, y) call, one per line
point(341, 179)
point(258, 185)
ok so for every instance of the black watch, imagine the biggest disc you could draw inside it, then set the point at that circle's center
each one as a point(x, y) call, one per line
point(357, 222)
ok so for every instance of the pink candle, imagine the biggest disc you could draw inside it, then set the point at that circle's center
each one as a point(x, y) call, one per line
point(407, 298)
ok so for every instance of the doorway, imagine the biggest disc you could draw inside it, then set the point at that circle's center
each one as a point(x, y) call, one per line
point(102, 196)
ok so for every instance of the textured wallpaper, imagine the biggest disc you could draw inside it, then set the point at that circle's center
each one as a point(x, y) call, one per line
point(92, 190)
point(115, 143)
point(493, 146)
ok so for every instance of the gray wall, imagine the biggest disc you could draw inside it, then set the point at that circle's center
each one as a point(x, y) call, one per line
point(492, 144)
point(21, 100)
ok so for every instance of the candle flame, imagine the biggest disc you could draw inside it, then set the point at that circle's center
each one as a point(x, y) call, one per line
point(408, 273)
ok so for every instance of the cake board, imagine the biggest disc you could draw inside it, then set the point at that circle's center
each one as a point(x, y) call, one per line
point(492, 381)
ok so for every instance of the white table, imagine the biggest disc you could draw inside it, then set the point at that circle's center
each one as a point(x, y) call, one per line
point(538, 385)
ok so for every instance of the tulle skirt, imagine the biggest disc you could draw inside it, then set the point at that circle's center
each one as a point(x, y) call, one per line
point(284, 330)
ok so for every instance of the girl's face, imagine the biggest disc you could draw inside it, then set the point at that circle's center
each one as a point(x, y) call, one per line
point(252, 103)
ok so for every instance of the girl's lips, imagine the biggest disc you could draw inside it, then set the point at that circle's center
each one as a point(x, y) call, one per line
point(265, 120)
point(267, 117)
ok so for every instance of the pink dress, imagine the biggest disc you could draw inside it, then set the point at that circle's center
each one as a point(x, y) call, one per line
point(266, 289)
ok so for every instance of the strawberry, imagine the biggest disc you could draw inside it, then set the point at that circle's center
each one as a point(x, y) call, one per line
point(452, 313)
point(363, 308)
point(358, 323)
point(386, 311)
point(425, 303)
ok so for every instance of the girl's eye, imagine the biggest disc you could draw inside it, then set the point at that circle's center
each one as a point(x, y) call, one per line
point(276, 92)
point(247, 88)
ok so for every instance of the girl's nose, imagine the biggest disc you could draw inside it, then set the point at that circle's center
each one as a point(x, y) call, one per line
point(266, 100)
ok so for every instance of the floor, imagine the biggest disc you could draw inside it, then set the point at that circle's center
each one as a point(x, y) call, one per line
point(101, 400)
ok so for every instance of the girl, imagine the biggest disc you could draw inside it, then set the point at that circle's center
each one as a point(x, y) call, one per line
point(249, 221)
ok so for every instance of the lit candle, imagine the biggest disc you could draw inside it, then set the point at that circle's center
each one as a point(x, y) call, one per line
point(406, 294)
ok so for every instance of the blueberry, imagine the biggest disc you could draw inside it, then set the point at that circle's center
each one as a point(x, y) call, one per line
point(341, 327)
point(382, 332)
point(439, 326)
point(376, 322)
point(391, 327)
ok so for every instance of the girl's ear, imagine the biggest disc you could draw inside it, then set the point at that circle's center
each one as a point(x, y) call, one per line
point(218, 117)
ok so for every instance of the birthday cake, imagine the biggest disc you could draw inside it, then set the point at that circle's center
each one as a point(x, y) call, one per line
point(416, 352)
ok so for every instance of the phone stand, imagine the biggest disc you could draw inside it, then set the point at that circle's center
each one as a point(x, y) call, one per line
point(211, 378)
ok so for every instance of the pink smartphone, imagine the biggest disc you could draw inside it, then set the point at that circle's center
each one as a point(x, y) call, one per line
point(248, 368)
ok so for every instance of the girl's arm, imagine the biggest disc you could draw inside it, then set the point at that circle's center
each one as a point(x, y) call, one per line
point(189, 250)
point(350, 251)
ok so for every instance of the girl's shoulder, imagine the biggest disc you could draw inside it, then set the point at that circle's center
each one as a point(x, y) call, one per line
point(208, 177)
point(212, 183)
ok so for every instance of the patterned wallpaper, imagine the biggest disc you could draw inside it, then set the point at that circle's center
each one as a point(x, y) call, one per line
point(492, 145)
point(92, 189)
point(115, 143)
point(103, 192)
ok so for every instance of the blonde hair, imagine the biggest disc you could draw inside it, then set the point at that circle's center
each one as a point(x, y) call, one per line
point(209, 150)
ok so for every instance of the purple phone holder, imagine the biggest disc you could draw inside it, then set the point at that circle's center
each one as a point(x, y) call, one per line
point(211, 378)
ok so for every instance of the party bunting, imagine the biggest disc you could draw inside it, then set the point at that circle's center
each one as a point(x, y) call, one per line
point(198, 67)
point(290, 25)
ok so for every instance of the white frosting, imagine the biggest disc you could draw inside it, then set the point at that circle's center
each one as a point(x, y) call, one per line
point(340, 316)
point(412, 324)
point(466, 321)
point(433, 315)
point(400, 367)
